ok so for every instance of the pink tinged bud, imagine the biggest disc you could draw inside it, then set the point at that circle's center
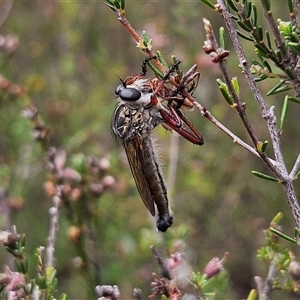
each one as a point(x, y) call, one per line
point(213, 267)
point(180, 269)
point(59, 159)
point(108, 181)
point(30, 112)
point(71, 174)
point(175, 260)
point(96, 189)
point(75, 194)
point(4, 236)
point(106, 292)
point(294, 270)
point(4, 83)
point(13, 283)
point(104, 164)
point(11, 44)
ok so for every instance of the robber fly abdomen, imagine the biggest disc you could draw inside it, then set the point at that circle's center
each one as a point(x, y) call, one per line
point(156, 184)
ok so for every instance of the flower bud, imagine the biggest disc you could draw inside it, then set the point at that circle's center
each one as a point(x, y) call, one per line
point(96, 189)
point(215, 266)
point(74, 232)
point(294, 270)
point(107, 182)
point(107, 292)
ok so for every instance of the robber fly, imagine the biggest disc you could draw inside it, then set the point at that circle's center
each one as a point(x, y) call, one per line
point(138, 112)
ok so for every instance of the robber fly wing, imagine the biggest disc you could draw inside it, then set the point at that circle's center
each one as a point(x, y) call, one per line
point(136, 162)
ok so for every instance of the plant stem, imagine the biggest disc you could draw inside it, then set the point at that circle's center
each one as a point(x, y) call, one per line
point(278, 167)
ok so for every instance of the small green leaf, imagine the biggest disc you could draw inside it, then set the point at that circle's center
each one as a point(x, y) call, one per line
point(224, 90)
point(295, 100)
point(284, 111)
point(111, 5)
point(266, 64)
point(275, 88)
point(252, 295)
point(257, 63)
point(162, 59)
point(282, 89)
point(262, 146)
point(175, 61)
point(122, 4)
point(295, 47)
point(290, 6)
point(296, 233)
point(289, 73)
point(242, 35)
point(284, 236)
point(63, 297)
point(261, 50)
point(117, 4)
point(226, 95)
point(254, 16)
point(235, 84)
point(208, 3)
point(260, 33)
point(248, 9)
point(232, 5)
point(261, 78)
point(268, 39)
point(264, 176)
point(279, 56)
point(267, 4)
point(157, 72)
point(222, 38)
point(243, 26)
point(277, 219)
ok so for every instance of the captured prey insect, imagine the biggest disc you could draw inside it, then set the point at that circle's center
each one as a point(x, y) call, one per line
point(138, 112)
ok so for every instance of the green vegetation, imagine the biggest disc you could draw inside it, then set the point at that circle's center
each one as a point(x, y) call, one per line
point(71, 217)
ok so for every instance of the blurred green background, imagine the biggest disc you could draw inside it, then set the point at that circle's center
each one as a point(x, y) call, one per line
point(69, 57)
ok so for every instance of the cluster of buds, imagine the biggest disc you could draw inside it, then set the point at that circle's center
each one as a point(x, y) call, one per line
point(294, 268)
point(180, 276)
point(9, 43)
point(13, 284)
point(107, 292)
point(215, 266)
point(40, 131)
point(159, 286)
point(10, 88)
point(87, 174)
point(210, 47)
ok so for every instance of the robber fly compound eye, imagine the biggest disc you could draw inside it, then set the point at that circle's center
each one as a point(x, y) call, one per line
point(128, 94)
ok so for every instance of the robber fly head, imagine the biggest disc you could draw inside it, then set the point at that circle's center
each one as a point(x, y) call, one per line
point(135, 92)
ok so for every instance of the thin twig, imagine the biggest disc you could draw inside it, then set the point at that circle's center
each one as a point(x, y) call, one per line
point(8, 7)
point(268, 282)
point(164, 271)
point(205, 113)
point(295, 169)
point(173, 161)
point(54, 216)
point(274, 27)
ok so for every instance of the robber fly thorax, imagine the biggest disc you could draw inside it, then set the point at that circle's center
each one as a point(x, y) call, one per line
point(139, 110)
